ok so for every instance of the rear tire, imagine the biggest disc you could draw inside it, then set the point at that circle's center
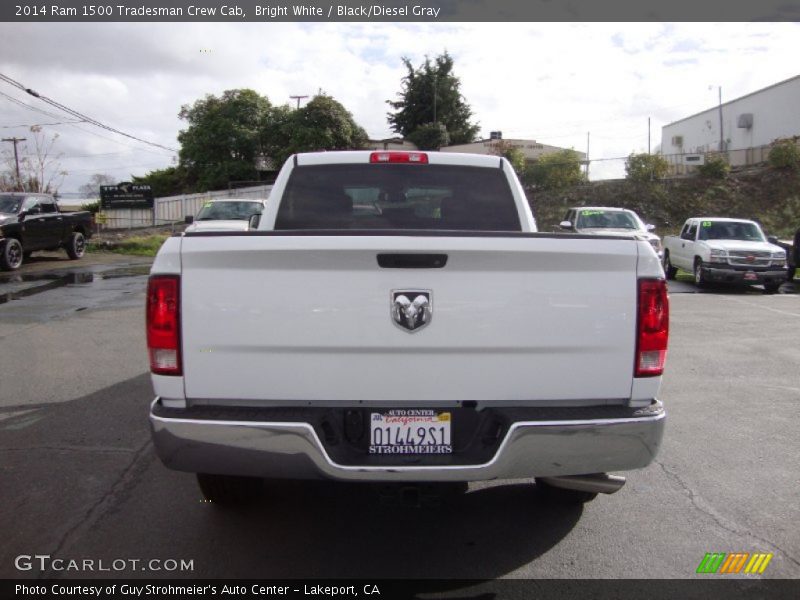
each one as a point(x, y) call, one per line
point(669, 270)
point(229, 490)
point(557, 495)
point(11, 255)
point(76, 245)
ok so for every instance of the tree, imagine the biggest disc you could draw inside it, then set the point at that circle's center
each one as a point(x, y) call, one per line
point(646, 167)
point(714, 167)
point(224, 138)
point(91, 189)
point(431, 94)
point(513, 155)
point(430, 136)
point(556, 171)
point(785, 154)
point(322, 124)
point(166, 182)
point(39, 166)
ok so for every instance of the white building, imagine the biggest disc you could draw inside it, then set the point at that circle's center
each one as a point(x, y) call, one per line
point(391, 144)
point(749, 125)
point(532, 149)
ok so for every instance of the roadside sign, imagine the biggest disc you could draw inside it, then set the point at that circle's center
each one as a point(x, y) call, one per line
point(126, 195)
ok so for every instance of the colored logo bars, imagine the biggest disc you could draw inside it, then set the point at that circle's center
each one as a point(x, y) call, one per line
point(719, 562)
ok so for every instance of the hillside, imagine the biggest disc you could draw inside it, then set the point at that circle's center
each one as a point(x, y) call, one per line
point(769, 196)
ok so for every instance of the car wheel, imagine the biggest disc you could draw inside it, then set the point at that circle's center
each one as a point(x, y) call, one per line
point(229, 490)
point(669, 270)
point(557, 495)
point(699, 277)
point(76, 245)
point(11, 255)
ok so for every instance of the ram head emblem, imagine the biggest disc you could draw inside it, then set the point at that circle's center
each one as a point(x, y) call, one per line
point(411, 309)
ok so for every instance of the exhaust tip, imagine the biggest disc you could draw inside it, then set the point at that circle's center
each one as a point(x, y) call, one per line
point(601, 483)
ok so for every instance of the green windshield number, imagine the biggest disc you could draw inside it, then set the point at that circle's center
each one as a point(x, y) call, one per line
point(589, 213)
point(706, 224)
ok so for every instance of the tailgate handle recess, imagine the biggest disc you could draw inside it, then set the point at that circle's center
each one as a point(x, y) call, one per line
point(412, 261)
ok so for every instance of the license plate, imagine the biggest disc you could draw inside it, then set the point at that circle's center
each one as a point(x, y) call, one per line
point(750, 276)
point(418, 431)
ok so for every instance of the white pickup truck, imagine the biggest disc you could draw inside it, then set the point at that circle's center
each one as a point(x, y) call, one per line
point(395, 317)
point(727, 251)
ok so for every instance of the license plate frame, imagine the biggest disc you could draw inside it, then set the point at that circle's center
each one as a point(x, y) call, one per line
point(751, 276)
point(410, 432)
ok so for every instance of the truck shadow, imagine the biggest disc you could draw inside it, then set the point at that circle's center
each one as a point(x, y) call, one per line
point(87, 482)
point(353, 531)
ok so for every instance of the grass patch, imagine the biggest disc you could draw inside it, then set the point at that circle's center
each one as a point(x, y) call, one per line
point(684, 276)
point(137, 246)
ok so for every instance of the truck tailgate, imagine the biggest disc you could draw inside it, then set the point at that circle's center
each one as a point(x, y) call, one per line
point(294, 319)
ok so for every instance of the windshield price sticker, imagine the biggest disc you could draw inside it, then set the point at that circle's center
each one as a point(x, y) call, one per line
point(589, 213)
point(420, 431)
point(706, 223)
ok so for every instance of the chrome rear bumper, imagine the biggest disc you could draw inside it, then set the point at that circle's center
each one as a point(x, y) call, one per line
point(293, 450)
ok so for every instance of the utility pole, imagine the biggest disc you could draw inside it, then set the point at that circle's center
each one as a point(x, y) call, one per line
point(721, 137)
point(587, 155)
point(648, 135)
point(435, 86)
point(298, 98)
point(15, 141)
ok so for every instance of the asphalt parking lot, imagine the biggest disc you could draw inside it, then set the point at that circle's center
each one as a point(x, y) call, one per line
point(80, 478)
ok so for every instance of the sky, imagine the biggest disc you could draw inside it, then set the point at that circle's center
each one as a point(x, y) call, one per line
point(552, 82)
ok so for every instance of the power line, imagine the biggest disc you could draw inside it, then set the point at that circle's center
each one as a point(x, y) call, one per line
point(37, 124)
point(29, 107)
point(71, 156)
point(79, 115)
point(94, 133)
point(114, 168)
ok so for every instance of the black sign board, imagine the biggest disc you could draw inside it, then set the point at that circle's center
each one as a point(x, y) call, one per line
point(126, 195)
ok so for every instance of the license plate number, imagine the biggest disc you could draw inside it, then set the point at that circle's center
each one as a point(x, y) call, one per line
point(750, 276)
point(410, 432)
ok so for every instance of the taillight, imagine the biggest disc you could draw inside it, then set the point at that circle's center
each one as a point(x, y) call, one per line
point(419, 158)
point(163, 324)
point(652, 328)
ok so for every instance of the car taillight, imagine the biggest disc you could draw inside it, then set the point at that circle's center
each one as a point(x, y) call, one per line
point(163, 324)
point(419, 158)
point(652, 328)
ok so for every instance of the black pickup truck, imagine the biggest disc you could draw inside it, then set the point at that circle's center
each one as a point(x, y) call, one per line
point(31, 222)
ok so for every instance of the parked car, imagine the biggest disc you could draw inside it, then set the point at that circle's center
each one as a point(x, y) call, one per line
point(399, 319)
point(225, 214)
point(610, 221)
point(724, 250)
point(31, 222)
point(792, 253)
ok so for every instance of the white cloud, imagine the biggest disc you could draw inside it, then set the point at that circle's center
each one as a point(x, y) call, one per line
point(553, 82)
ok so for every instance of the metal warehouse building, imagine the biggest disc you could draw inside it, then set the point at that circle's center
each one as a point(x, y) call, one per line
point(748, 126)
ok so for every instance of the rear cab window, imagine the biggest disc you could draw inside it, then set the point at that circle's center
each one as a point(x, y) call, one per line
point(398, 197)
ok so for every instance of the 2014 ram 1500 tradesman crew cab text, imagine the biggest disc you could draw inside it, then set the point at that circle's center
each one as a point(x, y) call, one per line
point(395, 316)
